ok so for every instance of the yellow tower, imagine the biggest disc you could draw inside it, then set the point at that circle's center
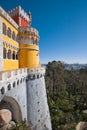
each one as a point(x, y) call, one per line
point(29, 50)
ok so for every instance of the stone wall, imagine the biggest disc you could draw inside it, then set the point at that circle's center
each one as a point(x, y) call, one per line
point(24, 90)
point(13, 86)
point(38, 111)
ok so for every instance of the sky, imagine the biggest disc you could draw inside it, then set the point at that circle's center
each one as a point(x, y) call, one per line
point(62, 26)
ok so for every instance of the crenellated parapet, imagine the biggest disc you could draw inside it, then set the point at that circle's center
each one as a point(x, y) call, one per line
point(11, 79)
point(36, 73)
point(24, 17)
point(15, 77)
point(28, 35)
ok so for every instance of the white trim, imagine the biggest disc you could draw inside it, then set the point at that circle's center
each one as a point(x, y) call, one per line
point(21, 12)
point(6, 16)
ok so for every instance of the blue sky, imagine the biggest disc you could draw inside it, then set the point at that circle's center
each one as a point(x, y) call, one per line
point(62, 26)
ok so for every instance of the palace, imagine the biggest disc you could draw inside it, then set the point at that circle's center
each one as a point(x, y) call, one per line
point(19, 40)
point(22, 85)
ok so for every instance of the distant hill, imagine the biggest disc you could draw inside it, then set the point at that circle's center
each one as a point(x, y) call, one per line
point(75, 66)
point(72, 66)
point(44, 65)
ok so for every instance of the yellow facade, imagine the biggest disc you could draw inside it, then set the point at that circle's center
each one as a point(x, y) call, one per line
point(28, 53)
point(9, 25)
point(9, 64)
point(29, 56)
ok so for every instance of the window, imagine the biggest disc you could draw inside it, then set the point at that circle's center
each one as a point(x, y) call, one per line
point(2, 90)
point(9, 87)
point(9, 54)
point(13, 35)
point(17, 56)
point(32, 41)
point(4, 29)
point(4, 52)
point(21, 81)
point(14, 85)
point(16, 38)
point(35, 42)
point(18, 82)
point(9, 32)
point(13, 55)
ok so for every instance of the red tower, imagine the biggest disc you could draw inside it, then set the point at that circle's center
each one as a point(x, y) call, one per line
point(20, 16)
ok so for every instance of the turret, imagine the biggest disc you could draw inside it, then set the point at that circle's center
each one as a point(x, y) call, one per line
point(20, 16)
point(29, 50)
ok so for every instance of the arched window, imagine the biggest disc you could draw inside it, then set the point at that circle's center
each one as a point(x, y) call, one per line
point(17, 56)
point(32, 41)
point(18, 82)
point(35, 42)
point(21, 81)
point(16, 38)
point(9, 54)
point(14, 84)
point(9, 32)
point(2, 90)
point(9, 87)
point(13, 35)
point(4, 29)
point(13, 55)
point(4, 52)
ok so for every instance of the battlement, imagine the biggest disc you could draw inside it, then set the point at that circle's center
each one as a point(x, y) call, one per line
point(11, 79)
point(36, 73)
point(19, 11)
point(36, 70)
point(6, 16)
point(7, 75)
point(31, 34)
point(28, 30)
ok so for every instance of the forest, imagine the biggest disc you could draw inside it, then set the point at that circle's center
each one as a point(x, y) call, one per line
point(67, 95)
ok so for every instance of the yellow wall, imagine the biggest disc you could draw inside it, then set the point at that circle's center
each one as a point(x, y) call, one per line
point(9, 40)
point(10, 64)
point(9, 25)
point(29, 56)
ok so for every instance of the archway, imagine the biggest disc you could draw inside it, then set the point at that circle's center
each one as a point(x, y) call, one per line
point(12, 105)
